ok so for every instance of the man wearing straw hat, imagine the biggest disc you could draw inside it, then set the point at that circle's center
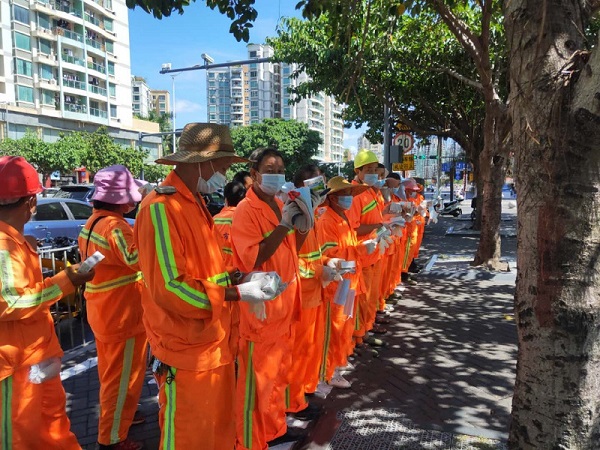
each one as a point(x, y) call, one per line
point(186, 314)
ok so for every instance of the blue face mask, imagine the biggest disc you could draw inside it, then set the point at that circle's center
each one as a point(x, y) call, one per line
point(271, 183)
point(370, 179)
point(344, 201)
point(379, 184)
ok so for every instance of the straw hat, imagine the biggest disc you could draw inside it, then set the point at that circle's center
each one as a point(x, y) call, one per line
point(339, 184)
point(201, 142)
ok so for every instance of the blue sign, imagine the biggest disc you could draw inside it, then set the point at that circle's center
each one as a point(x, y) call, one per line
point(446, 167)
point(461, 165)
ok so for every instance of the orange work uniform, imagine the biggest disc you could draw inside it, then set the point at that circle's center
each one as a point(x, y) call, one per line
point(32, 416)
point(186, 319)
point(366, 209)
point(412, 228)
point(308, 332)
point(339, 240)
point(114, 308)
point(264, 356)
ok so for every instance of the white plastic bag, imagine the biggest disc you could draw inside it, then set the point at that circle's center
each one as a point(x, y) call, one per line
point(45, 370)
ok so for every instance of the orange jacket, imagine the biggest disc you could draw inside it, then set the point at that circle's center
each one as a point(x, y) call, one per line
point(27, 333)
point(223, 222)
point(339, 241)
point(310, 262)
point(114, 301)
point(366, 210)
point(253, 221)
point(184, 315)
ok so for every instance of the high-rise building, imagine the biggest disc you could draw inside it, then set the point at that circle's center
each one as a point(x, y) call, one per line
point(244, 95)
point(363, 142)
point(141, 98)
point(65, 65)
point(161, 101)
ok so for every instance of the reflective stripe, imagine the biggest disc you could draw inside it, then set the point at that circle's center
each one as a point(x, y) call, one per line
point(222, 279)
point(171, 400)
point(287, 397)
point(130, 258)
point(95, 238)
point(123, 388)
point(227, 250)
point(223, 220)
point(406, 255)
point(268, 233)
point(249, 398)
point(312, 256)
point(166, 261)
point(306, 273)
point(6, 411)
point(369, 207)
point(327, 245)
point(10, 294)
point(326, 343)
point(92, 288)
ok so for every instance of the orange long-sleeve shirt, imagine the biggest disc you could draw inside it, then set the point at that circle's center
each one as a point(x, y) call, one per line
point(27, 333)
point(114, 302)
point(184, 315)
point(253, 221)
point(366, 209)
point(223, 222)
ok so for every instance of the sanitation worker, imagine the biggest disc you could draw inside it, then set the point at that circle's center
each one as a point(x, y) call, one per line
point(32, 398)
point(114, 306)
point(186, 316)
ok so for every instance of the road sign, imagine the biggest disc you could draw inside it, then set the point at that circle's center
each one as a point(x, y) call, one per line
point(445, 167)
point(404, 140)
point(402, 127)
point(408, 163)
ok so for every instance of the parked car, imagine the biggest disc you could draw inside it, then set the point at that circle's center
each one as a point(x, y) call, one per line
point(59, 217)
point(215, 202)
point(81, 192)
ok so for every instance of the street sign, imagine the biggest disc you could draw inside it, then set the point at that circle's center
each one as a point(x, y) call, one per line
point(402, 127)
point(404, 140)
point(408, 163)
point(445, 167)
point(461, 165)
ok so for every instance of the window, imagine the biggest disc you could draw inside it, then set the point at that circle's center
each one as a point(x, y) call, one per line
point(253, 73)
point(253, 54)
point(254, 85)
point(136, 89)
point(108, 24)
point(24, 94)
point(47, 97)
point(45, 72)
point(110, 46)
point(113, 110)
point(21, 14)
point(162, 98)
point(44, 21)
point(22, 41)
point(253, 114)
point(23, 67)
point(51, 211)
point(79, 211)
point(136, 98)
point(112, 90)
point(111, 68)
point(44, 46)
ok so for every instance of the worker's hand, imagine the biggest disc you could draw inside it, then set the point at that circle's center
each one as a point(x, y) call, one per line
point(316, 199)
point(370, 245)
point(334, 263)
point(252, 291)
point(79, 278)
point(288, 213)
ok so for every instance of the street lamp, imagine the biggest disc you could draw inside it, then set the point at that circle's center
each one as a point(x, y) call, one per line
point(167, 66)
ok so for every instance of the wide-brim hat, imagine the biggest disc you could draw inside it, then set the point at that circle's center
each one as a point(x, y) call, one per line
point(339, 184)
point(200, 142)
point(116, 185)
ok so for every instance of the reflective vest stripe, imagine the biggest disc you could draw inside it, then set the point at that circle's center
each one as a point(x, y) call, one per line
point(312, 256)
point(92, 288)
point(249, 398)
point(306, 273)
point(123, 388)
point(326, 342)
point(223, 220)
point(6, 411)
point(328, 245)
point(130, 258)
point(171, 400)
point(369, 207)
point(227, 250)
point(95, 238)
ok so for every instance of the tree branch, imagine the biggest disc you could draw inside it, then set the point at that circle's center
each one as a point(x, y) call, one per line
point(469, 82)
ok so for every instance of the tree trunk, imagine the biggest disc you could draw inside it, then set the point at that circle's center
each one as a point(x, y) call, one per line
point(556, 133)
point(479, 193)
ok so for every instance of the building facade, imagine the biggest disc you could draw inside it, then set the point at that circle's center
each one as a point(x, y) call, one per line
point(65, 65)
point(245, 95)
point(161, 101)
point(141, 98)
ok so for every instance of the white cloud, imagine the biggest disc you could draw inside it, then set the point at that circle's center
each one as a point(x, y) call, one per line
point(351, 136)
point(185, 106)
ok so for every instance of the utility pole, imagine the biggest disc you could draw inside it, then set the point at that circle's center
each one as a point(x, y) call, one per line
point(386, 137)
point(439, 166)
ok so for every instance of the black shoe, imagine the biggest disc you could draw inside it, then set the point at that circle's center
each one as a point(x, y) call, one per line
point(311, 412)
point(291, 435)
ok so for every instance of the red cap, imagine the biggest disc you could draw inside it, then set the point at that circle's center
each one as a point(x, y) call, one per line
point(19, 179)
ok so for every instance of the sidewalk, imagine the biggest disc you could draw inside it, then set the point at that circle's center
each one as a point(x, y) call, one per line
point(443, 381)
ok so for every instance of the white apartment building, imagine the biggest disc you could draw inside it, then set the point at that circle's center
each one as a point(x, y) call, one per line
point(265, 95)
point(65, 65)
point(141, 97)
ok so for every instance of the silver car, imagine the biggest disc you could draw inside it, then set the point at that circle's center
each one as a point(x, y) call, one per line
point(58, 217)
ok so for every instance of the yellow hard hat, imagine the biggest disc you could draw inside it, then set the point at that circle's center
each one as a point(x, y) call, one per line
point(364, 157)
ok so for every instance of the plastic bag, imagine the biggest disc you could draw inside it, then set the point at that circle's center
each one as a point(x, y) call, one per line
point(341, 293)
point(45, 370)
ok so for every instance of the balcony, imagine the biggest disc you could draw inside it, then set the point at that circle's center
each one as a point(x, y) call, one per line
point(101, 5)
point(68, 34)
point(75, 84)
point(95, 44)
point(73, 107)
point(73, 60)
point(66, 8)
point(97, 90)
point(97, 67)
point(44, 33)
point(91, 19)
point(98, 113)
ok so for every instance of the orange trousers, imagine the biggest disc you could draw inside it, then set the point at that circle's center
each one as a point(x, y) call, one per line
point(411, 242)
point(308, 347)
point(421, 233)
point(338, 340)
point(34, 416)
point(368, 308)
point(261, 392)
point(121, 370)
point(196, 408)
point(387, 272)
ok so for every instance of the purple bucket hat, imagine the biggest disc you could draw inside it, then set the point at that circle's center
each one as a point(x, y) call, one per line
point(116, 185)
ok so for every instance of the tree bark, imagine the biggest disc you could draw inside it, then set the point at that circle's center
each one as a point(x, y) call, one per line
point(555, 111)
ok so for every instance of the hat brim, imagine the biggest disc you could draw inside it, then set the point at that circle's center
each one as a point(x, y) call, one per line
point(190, 157)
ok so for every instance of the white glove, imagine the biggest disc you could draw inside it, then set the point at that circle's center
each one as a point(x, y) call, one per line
point(252, 292)
point(328, 274)
point(259, 310)
point(384, 242)
point(397, 231)
point(334, 263)
point(370, 245)
point(289, 211)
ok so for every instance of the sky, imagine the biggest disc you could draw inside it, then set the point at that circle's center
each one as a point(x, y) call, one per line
point(181, 39)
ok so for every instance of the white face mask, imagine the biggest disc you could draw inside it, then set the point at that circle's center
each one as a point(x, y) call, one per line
point(271, 183)
point(370, 179)
point(215, 182)
point(345, 201)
